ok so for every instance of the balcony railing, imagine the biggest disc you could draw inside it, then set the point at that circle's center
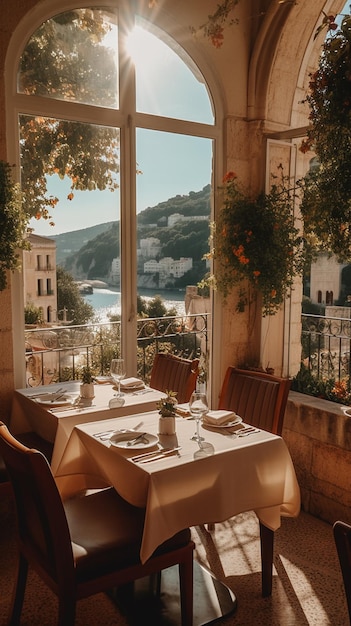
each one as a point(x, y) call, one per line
point(326, 346)
point(56, 353)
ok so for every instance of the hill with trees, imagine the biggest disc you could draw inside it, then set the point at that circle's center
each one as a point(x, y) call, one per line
point(185, 238)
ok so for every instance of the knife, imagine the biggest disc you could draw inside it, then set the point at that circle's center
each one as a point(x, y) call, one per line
point(153, 456)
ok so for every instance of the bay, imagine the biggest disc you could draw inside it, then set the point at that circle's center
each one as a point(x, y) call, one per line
point(107, 302)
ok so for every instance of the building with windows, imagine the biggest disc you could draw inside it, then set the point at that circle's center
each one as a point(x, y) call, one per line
point(240, 108)
point(39, 276)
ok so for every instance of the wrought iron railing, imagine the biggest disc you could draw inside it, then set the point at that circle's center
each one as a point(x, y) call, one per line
point(55, 354)
point(326, 346)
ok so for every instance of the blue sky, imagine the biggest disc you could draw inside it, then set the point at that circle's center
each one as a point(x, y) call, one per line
point(170, 164)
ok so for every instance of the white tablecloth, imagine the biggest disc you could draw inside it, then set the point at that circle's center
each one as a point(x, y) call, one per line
point(56, 424)
point(249, 473)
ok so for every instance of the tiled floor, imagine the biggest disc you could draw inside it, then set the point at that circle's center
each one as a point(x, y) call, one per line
point(307, 584)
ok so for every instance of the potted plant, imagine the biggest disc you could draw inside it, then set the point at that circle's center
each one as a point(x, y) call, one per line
point(13, 223)
point(256, 244)
point(167, 411)
point(87, 386)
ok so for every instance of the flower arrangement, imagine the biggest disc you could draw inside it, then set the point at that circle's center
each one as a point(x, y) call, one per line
point(256, 239)
point(166, 406)
point(327, 188)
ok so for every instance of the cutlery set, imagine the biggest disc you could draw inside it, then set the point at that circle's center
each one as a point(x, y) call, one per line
point(147, 457)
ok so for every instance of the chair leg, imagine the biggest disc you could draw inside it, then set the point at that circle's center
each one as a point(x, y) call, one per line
point(66, 611)
point(18, 594)
point(267, 546)
point(186, 582)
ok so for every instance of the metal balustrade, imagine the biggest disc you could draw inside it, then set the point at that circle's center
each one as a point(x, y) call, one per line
point(326, 346)
point(56, 353)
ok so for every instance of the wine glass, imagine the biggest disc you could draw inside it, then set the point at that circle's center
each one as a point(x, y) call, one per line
point(198, 408)
point(118, 372)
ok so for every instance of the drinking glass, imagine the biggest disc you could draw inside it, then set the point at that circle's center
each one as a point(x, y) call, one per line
point(198, 408)
point(118, 372)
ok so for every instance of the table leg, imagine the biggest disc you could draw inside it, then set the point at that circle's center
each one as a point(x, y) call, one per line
point(267, 545)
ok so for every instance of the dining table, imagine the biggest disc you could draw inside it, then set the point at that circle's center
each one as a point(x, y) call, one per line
point(182, 483)
point(53, 410)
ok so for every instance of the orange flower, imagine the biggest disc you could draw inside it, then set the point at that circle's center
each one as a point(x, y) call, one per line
point(256, 273)
point(229, 177)
point(238, 251)
point(244, 260)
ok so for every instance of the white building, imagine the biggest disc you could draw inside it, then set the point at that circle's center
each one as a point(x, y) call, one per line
point(168, 266)
point(325, 285)
point(180, 267)
point(39, 276)
point(150, 247)
point(115, 270)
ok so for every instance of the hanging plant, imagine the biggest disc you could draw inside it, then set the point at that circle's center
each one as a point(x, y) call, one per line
point(326, 203)
point(255, 239)
point(13, 223)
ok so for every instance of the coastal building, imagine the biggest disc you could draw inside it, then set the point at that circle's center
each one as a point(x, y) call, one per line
point(39, 276)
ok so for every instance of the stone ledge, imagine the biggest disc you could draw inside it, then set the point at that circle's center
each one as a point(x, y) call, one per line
point(318, 435)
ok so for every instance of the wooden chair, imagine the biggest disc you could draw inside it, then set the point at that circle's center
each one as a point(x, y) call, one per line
point(84, 545)
point(173, 373)
point(5, 485)
point(259, 398)
point(342, 538)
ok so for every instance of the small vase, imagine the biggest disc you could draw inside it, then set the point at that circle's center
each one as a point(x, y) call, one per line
point(87, 390)
point(166, 425)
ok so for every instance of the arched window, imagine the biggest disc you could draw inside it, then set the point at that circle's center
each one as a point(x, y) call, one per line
point(114, 118)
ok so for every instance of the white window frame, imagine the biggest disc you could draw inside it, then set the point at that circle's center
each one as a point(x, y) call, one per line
point(127, 119)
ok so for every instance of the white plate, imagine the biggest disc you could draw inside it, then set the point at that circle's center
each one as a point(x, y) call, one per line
point(120, 440)
point(50, 400)
point(235, 422)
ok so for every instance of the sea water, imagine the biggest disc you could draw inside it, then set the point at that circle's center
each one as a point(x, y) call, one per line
point(106, 302)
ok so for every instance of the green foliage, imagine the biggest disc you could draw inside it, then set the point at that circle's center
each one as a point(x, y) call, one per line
point(327, 388)
point(32, 314)
point(326, 204)
point(13, 223)
point(86, 375)
point(256, 239)
point(86, 153)
point(68, 297)
point(156, 307)
point(183, 239)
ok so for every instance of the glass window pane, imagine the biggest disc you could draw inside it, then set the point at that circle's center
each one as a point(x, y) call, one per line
point(73, 56)
point(167, 84)
point(75, 165)
point(174, 208)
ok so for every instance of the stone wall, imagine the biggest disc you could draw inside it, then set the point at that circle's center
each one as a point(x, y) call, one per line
point(318, 435)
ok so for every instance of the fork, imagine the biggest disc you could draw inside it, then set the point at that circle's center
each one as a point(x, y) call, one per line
point(131, 442)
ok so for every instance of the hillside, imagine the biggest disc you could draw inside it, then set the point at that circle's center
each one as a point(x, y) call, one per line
point(184, 238)
point(70, 243)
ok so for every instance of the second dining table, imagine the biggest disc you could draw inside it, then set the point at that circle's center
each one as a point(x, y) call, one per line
point(191, 485)
point(29, 412)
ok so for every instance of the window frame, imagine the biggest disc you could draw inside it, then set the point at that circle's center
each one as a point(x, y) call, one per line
point(127, 119)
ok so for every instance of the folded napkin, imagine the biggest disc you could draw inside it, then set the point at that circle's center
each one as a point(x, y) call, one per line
point(183, 410)
point(219, 417)
point(131, 382)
